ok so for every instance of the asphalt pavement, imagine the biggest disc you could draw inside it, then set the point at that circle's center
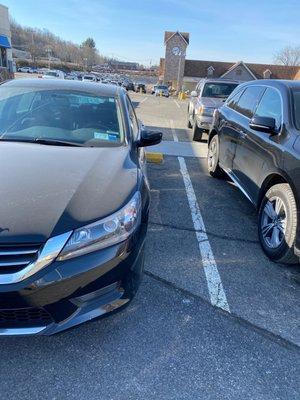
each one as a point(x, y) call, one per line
point(213, 319)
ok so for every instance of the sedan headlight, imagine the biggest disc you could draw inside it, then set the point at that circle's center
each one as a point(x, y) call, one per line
point(104, 233)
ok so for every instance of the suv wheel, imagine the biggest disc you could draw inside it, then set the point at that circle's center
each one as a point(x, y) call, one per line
point(277, 224)
point(197, 132)
point(213, 158)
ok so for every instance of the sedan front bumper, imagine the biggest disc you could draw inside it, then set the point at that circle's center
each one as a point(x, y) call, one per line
point(68, 293)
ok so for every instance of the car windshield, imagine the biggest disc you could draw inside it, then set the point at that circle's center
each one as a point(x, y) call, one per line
point(296, 96)
point(218, 90)
point(161, 87)
point(59, 115)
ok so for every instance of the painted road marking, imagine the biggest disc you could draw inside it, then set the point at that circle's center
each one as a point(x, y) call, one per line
point(175, 137)
point(144, 99)
point(176, 103)
point(213, 279)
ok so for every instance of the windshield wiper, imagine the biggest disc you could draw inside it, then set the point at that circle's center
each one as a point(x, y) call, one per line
point(56, 142)
point(46, 141)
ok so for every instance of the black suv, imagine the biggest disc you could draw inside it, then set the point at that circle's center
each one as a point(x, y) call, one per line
point(255, 139)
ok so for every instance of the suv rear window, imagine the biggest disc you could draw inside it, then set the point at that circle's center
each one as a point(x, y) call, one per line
point(296, 111)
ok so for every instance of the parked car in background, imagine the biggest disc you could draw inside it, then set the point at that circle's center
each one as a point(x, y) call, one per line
point(89, 78)
point(153, 89)
point(208, 95)
point(128, 86)
point(25, 70)
point(140, 87)
point(53, 74)
point(74, 250)
point(162, 90)
point(255, 139)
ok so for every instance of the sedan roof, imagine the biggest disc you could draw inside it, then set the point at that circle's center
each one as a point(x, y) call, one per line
point(61, 84)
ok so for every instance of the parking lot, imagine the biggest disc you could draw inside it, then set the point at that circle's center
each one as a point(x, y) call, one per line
point(213, 319)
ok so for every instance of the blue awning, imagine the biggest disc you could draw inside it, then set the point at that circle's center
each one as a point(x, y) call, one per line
point(4, 42)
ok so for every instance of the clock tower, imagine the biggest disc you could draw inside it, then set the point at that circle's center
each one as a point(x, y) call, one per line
point(176, 44)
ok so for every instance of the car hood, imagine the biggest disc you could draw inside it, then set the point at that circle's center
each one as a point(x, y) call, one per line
point(211, 102)
point(48, 190)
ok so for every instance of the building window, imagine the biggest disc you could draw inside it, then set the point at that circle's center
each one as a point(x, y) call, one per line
point(210, 71)
point(267, 74)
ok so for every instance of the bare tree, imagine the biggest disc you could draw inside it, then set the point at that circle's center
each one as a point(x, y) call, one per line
point(288, 56)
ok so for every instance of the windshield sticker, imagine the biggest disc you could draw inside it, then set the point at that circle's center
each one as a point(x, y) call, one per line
point(113, 137)
point(100, 135)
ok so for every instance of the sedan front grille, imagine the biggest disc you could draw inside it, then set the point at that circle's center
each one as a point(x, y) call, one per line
point(24, 317)
point(14, 258)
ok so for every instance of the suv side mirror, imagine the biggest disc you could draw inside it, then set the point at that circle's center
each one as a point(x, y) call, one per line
point(194, 93)
point(263, 124)
point(149, 138)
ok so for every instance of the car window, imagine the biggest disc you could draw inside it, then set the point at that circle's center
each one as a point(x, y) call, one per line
point(133, 120)
point(218, 90)
point(232, 100)
point(248, 101)
point(270, 106)
point(296, 108)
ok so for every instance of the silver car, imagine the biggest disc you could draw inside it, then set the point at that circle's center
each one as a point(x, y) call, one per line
point(208, 95)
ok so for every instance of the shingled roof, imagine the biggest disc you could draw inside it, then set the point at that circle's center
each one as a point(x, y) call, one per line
point(185, 35)
point(198, 69)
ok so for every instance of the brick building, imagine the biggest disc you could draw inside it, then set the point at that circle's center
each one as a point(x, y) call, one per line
point(179, 72)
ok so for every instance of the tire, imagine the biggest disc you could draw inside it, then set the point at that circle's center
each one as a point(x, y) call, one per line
point(189, 125)
point(277, 224)
point(197, 132)
point(213, 166)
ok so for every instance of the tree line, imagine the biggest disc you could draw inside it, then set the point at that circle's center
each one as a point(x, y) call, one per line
point(41, 44)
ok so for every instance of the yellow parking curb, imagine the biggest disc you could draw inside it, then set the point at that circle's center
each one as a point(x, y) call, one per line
point(155, 157)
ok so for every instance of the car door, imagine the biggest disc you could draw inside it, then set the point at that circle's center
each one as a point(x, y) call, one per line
point(239, 125)
point(256, 150)
point(228, 131)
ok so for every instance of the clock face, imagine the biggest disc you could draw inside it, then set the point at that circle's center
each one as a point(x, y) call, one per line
point(176, 51)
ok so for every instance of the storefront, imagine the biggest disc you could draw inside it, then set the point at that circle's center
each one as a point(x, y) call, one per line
point(6, 62)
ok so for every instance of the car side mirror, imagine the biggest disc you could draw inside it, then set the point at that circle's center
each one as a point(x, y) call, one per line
point(263, 124)
point(149, 138)
point(194, 93)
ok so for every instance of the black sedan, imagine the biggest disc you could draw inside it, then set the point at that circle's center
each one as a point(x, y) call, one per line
point(255, 139)
point(74, 203)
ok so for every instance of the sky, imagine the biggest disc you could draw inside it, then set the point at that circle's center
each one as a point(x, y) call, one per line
point(132, 30)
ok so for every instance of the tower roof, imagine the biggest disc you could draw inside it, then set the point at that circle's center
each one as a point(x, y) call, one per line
point(184, 35)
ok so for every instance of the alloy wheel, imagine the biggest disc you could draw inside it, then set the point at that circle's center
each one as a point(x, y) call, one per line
point(273, 222)
point(212, 154)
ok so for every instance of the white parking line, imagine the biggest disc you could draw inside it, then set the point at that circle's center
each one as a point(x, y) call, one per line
point(176, 103)
point(213, 279)
point(144, 99)
point(175, 137)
